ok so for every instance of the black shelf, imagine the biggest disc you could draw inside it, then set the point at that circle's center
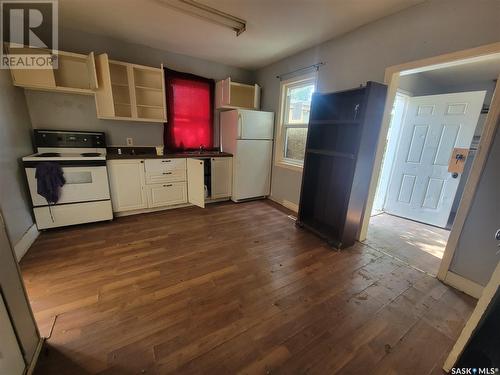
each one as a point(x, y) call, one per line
point(334, 122)
point(331, 153)
point(340, 150)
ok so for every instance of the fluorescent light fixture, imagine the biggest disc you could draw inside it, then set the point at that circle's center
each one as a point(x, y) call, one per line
point(194, 8)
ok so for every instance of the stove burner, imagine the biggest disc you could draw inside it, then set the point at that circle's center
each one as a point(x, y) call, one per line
point(90, 154)
point(48, 155)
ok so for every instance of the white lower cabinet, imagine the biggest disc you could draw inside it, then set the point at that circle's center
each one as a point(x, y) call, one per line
point(221, 177)
point(209, 179)
point(160, 195)
point(126, 180)
point(156, 183)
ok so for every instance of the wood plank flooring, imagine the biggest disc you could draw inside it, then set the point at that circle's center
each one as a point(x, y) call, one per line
point(415, 243)
point(233, 288)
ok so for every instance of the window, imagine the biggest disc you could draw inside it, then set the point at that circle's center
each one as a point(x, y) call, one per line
point(190, 103)
point(296, 95)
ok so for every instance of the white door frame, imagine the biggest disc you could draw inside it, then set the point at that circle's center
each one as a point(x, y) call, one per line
point(391, 79)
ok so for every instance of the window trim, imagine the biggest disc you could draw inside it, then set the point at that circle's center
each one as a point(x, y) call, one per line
point(279, 157)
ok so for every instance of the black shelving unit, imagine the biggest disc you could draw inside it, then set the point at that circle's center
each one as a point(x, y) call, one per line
point(340, 151)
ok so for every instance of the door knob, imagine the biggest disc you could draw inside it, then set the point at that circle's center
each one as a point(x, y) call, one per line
point(497, 235)
point(454, 175)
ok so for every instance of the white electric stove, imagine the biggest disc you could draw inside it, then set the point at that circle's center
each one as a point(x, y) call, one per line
point(85, 197)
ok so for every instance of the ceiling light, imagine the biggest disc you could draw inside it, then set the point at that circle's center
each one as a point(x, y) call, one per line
point(208, 13)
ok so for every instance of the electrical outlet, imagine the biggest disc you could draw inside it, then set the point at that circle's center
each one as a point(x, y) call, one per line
point(130, 141)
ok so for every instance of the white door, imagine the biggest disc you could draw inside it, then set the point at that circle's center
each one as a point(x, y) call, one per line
point(391, 145)
point(252, 169)
point(223, 93)
point(222, 177)
point(421, 188)
point(11, 359)
point(196, 182)
point(255, 124)
point(126, 180)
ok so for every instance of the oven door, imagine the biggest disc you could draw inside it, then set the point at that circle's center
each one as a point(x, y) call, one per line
point(83, 184)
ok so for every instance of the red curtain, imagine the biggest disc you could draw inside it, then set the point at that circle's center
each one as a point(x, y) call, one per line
point(190, 111)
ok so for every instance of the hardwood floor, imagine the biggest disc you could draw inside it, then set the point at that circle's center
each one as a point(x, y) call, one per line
point(418, 244)
point(233, 288)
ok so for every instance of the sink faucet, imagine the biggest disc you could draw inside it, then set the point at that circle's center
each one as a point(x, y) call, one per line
point(202, 148)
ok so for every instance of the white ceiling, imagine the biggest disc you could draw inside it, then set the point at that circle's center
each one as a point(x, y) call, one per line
point(275, 28)
point(482, 70)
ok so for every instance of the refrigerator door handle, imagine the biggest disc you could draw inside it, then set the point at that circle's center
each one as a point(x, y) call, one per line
point(240, 125)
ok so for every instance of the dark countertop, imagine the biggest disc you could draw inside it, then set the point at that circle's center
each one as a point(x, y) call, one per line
point(141, 153)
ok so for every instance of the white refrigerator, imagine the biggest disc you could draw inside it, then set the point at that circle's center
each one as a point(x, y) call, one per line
point(248, 135)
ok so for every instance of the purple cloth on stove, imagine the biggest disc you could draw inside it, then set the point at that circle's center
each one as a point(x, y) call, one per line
point(49, 180)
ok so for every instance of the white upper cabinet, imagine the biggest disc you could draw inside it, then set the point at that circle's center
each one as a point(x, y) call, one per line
point(222, 177)
point(231, 95)
point(75, 73)
point(129, 92)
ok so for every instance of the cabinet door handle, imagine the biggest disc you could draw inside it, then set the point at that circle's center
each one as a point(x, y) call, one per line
point(142, 161)
point(167, 172)
point(166, 161)
point(168, 185)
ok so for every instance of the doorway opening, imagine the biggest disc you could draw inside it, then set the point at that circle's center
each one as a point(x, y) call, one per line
point(436, 124)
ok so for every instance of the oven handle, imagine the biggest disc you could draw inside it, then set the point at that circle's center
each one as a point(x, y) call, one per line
point(68, 163)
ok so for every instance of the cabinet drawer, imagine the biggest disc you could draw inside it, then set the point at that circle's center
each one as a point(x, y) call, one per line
point(175, 175)
point(73, 213)
point(167, 194)
point(165, 170)
point(158, 166)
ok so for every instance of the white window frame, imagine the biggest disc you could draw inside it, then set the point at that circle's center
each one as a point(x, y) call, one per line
point(279, 157)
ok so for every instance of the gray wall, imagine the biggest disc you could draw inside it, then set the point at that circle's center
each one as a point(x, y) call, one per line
point(418, 84)
point(429, 29)
point(68, 111)
point(476, 254)
point(15, 142)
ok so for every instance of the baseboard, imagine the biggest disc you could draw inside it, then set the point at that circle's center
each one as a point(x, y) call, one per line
point(22, 246)
point(165, 208)
point(290, 205)
point(464, 285)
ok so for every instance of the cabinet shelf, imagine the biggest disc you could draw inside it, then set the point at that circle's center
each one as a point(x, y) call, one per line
point(150, 106)
point(331, 153)
point(148, 88)
point(334, 122)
